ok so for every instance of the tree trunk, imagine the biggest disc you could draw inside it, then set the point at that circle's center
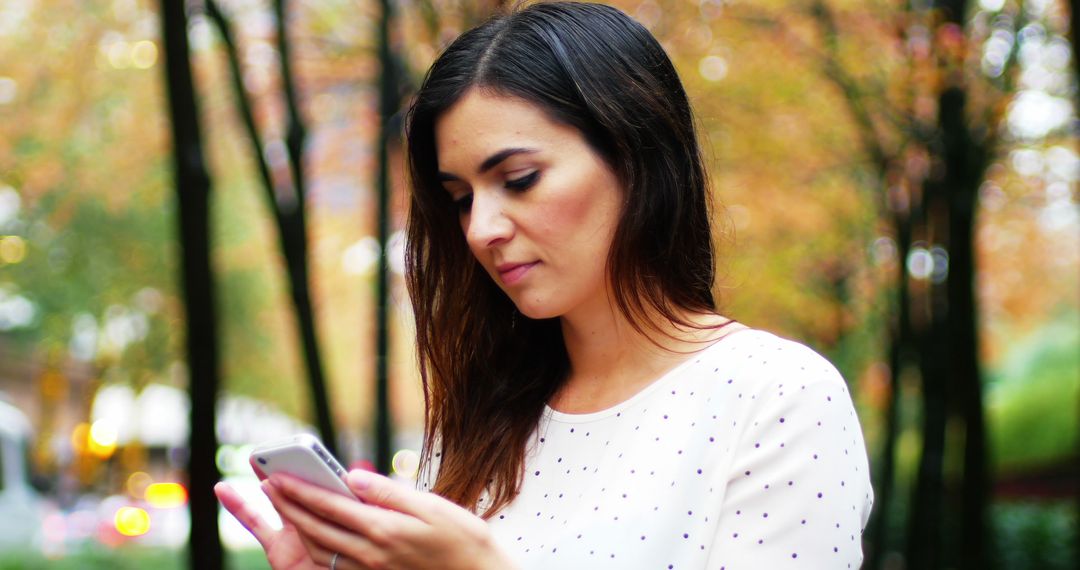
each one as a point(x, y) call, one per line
point(193, 193)
point(289, 212)
point(900, 342)
point(964, 166)
point(925, 528)
point(964, 163)
point(952, 378)
point(389, 99)
point(294, 243)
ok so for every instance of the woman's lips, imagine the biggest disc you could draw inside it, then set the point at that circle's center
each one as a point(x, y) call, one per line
point(512, 273)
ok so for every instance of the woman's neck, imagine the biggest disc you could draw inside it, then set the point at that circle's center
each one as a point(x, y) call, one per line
point(610, 361)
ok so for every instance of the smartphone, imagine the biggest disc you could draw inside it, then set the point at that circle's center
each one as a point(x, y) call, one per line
point(302, 456)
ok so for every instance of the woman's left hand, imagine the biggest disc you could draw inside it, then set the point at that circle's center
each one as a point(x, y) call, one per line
point(395, 527)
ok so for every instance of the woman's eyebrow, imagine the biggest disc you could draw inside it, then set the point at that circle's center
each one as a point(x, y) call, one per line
point(490, 162)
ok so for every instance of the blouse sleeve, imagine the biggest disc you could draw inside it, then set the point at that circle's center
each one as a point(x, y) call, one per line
point(798, 494)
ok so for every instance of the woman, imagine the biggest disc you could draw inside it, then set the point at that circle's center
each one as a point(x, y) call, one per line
point(587, 407)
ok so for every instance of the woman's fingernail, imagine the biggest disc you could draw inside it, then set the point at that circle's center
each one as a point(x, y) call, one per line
point(359, 479)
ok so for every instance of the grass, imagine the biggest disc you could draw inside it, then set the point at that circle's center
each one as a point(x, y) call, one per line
point(1032, 396)
point(94, 557)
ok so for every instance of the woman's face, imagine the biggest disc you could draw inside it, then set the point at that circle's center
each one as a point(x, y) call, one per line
point(538, 206)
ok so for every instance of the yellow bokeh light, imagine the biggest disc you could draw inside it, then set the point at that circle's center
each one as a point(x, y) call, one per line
point(713, 68)
point(132, 521)
point(103, 433)
point(103, 436)
point(166, 495)
point(405, 463)
point(80, 436)
point(119, 54)
point(137, 483)
point(12, 249)
point(144, 54)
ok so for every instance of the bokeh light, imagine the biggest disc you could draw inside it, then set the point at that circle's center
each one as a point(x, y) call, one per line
point(405, 463)
point(883, 251)
point(144, 54)
point(119, 54)
point(80, 436)
point(166, 495)
point(361, 257)
point(132, 521)
point(8, 90)
point(713, 67)
point(10, 201)
point(54, 528)
point(103, 437)
point(12, 249)
point(16, 311)
point(939, 270)
point(137, 483)
point(920, 264)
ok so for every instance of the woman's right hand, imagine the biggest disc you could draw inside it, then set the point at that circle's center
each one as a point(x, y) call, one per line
point(284, 548)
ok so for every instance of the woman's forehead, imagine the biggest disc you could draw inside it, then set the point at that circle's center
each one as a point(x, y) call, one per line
point(482, 123)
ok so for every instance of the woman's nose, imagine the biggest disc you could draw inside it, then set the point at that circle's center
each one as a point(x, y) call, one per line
point(488, 224)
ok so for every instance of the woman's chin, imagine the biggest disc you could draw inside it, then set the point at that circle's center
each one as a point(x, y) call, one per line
point(536, 310)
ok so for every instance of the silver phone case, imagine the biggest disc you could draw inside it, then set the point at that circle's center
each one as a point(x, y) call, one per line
point(302, 456)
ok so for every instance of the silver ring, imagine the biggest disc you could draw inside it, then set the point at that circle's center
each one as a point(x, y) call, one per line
point(333, 560)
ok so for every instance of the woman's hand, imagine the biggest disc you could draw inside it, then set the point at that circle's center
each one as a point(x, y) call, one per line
point(285, 550)
point(395, 527)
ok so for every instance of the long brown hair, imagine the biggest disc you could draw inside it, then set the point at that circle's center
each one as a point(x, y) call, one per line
point(487, 370)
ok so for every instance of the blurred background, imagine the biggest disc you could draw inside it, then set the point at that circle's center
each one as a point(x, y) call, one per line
point(200, 214)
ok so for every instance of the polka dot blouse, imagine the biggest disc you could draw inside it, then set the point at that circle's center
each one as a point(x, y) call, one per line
point(748, 455)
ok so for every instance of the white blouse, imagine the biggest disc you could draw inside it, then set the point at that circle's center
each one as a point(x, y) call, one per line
point(748, 455)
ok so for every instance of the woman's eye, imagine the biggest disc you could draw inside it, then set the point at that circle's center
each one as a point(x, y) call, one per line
point(523, 182)
point(463, 203)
